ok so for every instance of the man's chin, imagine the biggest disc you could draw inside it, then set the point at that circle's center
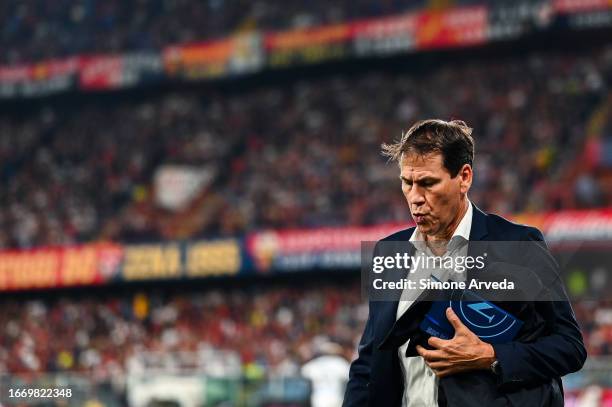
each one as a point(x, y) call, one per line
point(424, 229)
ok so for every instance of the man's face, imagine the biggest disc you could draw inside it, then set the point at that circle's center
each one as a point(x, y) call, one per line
point(434, 198)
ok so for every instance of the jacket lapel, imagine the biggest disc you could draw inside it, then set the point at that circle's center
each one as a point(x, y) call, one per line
point(479, 228)
point(478, 232)
point(388, 311)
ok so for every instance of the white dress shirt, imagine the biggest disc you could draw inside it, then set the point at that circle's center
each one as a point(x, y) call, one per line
point(420, 382)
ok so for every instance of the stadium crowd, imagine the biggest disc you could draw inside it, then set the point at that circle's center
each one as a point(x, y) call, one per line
point(69, 173)
point(301, 155)
point(266, 330)
point(44, 29)
point(596, 323)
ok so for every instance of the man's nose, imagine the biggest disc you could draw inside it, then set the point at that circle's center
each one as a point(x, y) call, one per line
point(416, 196)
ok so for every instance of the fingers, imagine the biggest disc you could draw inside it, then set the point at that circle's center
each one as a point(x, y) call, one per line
point(454, 320)
point(443, 373)
point(438, 365)
point(440, 368)
point(443, 369)
point(436, 342)
point(421, 351)
point(430, 355)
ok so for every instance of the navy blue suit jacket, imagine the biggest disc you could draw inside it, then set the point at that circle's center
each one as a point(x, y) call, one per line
point(530, 371)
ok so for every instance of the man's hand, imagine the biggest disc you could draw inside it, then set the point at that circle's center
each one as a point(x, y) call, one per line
point(464, 352)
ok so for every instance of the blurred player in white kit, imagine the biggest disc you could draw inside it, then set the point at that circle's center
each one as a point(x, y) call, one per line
point(328, 374)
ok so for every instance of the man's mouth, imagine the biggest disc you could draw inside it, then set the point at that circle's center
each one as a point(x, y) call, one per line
point(418, 218)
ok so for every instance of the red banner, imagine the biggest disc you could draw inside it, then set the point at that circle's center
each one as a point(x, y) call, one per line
point(451, 28)
point(308, 37)
point(578, 6)
point(266, 246)
point(40, 71)
point(57, 267)
point(307, 247)
point(385, 27)
point(101, 72)
point(55, 68)
point(331, 248)
point(257, 50)
point(201, 60)
point(577, 225)
point(13, 74)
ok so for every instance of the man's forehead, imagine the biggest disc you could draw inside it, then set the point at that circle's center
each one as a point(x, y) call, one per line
point(421, 163)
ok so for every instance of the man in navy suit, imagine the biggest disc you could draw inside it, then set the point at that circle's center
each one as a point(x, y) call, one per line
point(394, 366)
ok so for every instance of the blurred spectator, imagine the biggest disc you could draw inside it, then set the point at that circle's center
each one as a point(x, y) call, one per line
point(587, 191)
point(596, 323)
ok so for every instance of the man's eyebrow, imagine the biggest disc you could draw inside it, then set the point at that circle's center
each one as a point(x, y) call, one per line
point(427, 178)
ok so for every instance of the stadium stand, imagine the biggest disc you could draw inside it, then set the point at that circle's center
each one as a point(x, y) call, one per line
point(108, 334)
point(43, 29)
point(102, 334)
point(307, 166)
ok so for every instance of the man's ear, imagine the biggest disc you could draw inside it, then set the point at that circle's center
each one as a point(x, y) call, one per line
point(465, 178)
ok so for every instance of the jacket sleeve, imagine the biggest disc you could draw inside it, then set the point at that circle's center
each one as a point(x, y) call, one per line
point(357, 392)
point(555, 355)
